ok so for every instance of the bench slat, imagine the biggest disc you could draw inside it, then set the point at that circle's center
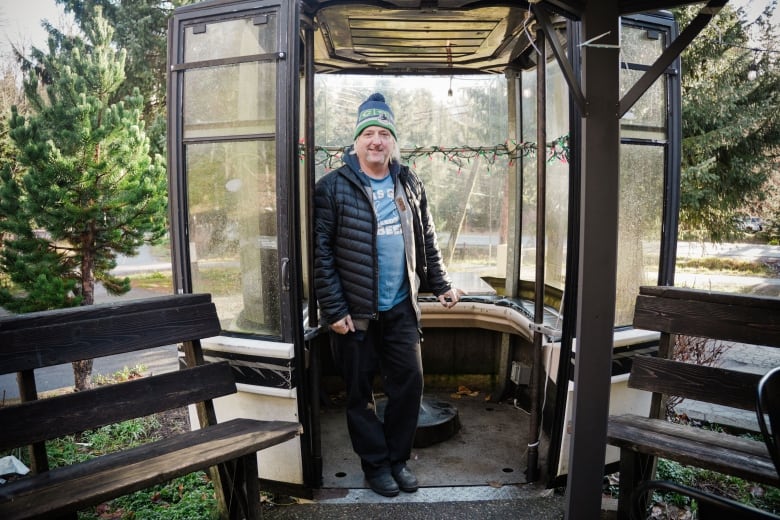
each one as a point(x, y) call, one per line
point(75, 487)
point(710, 315)
point(57, 416)
point(698, 295)
point(700, 383)
point(84, 336)
point(99, 310)
point(744, 458)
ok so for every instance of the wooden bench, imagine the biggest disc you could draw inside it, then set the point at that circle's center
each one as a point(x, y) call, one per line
point(228, 449)
point(752, 320)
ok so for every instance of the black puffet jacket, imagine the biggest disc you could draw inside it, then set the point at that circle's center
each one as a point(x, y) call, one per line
point(345, 259)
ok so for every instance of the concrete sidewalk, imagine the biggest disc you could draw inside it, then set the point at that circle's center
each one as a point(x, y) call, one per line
point(526, 502)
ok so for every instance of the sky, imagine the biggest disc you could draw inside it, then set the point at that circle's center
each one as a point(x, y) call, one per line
point(20, 19)
point(20, 22)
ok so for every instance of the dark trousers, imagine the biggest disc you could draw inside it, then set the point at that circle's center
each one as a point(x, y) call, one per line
point(390, 347)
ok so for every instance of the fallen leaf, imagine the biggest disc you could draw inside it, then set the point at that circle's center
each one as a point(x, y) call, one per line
point(464, 390)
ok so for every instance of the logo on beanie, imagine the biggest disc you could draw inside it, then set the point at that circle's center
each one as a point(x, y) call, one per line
point(375, 112)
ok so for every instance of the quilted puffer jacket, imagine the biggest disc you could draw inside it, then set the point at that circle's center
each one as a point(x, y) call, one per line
point(345, 258)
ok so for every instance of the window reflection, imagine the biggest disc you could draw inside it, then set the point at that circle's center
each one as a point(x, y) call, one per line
point(466, 185)
point(640, 225)
point(230, 38)
point(232, 232)
point(221, 101)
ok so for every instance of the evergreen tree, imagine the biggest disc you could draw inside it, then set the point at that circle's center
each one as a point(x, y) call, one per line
point(86, 189)
point(141, 28)
point(731, 128)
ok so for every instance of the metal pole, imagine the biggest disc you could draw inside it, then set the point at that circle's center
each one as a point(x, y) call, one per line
point(598, 259)
point(532, 472)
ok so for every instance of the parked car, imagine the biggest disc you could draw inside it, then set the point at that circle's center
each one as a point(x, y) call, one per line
point(750, 224)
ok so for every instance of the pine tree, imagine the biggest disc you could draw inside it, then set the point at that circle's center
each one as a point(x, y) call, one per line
point(141, 28)
point(731, 129)
point(86, 188)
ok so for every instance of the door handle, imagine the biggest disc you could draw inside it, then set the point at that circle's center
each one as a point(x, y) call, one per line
point(285, 274)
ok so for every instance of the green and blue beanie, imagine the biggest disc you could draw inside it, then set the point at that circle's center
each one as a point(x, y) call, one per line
point(375, 112)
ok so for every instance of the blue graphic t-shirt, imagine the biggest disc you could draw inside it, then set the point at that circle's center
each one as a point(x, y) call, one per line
point(393, 286)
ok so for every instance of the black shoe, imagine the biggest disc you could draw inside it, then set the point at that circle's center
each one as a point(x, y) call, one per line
point(406, 479)
point(383, 484)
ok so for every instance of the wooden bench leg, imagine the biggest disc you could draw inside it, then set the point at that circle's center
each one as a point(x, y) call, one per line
point(251, 480)
point(232, 490)
point(241, 488)
point(634, 468)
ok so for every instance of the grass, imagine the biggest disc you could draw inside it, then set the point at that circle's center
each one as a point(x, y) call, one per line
point(725, 266)
point(126, 374)
point(673, 506)
point(760, 496)
point(217, 281)
point(156, 281)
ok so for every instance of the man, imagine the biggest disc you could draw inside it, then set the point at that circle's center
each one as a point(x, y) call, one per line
point(374, 243)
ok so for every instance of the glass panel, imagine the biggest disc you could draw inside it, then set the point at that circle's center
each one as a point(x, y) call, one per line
point(230, 100)
point(462, 161)
point(232, 232)
point(640, 45)
point(647, 118)
point(640, 224)
point(557, 186)
point(557, 204)
point(529, 182)
point(231, 38)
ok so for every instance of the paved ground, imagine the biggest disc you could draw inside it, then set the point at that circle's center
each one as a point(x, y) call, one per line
point(510, 502)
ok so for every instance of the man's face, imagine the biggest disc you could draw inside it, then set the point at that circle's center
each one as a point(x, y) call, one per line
point(374, 147)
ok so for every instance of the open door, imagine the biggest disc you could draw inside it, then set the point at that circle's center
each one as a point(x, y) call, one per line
point(233, 83)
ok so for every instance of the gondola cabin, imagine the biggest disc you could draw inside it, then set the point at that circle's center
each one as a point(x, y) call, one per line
point(262, 100)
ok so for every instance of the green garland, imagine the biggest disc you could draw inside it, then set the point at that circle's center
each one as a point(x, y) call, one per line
point(557, 150)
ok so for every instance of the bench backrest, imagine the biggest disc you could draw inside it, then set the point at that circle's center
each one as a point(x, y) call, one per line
point(58, 416)
point(698, 382)
point(742, 318)
point(41, 339)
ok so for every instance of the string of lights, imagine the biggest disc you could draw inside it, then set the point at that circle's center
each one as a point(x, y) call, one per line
point(557, 150)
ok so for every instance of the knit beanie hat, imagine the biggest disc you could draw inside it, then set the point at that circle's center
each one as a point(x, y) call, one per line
point(375, 112)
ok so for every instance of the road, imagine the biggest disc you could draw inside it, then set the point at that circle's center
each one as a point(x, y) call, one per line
point(738, 251)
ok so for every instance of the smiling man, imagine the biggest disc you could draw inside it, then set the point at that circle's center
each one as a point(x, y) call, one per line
point(375, 244)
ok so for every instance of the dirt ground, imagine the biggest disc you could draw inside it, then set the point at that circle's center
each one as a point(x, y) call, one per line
point(172, 422)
